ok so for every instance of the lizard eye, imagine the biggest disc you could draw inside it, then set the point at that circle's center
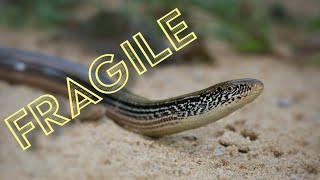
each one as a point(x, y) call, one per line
point(230, 89)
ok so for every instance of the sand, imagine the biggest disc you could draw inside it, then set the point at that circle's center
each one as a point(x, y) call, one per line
point(275, 137)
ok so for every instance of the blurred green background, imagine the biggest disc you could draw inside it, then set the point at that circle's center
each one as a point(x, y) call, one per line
point(249, 26)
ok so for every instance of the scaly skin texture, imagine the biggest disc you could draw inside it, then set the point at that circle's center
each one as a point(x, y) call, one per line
point(147, 117)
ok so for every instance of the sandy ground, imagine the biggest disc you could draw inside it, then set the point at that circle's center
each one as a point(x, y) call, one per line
point(275, 137)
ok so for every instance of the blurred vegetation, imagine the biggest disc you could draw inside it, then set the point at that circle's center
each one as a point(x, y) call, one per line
point(315, 24)
point(243, 23)
point(41, 13)
point(279, 14)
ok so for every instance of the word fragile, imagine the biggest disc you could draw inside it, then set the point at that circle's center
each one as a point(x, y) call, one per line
point(76, 91)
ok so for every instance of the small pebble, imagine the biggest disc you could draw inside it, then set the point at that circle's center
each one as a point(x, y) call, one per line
point(219, 151)
point(294, 177)
point(284, 103)
point(184, 170)
point(174, 159)
point(230, 138)
point(155, 166)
